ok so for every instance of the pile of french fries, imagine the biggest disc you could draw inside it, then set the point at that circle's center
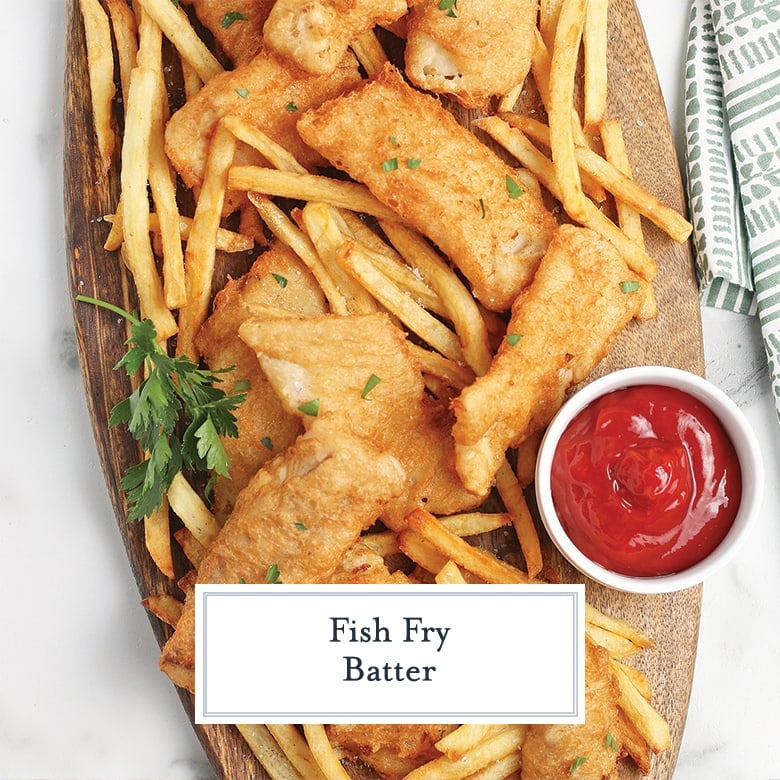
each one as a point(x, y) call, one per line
point(171, 258)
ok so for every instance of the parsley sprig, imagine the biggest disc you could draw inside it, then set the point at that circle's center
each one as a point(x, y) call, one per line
point(173, 390)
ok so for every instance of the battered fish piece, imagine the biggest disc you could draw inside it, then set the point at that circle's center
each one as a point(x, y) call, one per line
point(315, 34)
point(331, 359)
point(478, 49)
point(392, 750)
point(551, 752)
point(237, 25)
point(330, 480)
point(265, 428)
point(439, 178)
point(560, 328)
point(266, 92)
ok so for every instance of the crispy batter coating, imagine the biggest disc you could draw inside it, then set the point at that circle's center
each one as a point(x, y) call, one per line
point(265, 428)
point(237, 25)
point(315, 34)
point(329, 480)
point(439, 178)
point(472, 51)
point(266, 92)
point(560, 328)
point(585, 751)
point(331, 358)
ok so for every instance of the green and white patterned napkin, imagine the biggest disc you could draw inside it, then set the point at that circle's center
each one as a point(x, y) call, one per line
point(732, 125)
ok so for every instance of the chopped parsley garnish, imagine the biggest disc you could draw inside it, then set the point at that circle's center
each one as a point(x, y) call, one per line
point(393, 141)
point(311, 408)
point(242, 92)
point(576, 764)
point(413, 162)
point(611, 743)
point(449, 6)
point(301, 526)
point(371, 383)
point(629, 287)
point(267, 443)
point(482, 207)
point(230, 17)
point(513, 188)
point(280, 280)
point(272, 574)
point(513, 339)
point(390, 165)
point(174, 393)
point(291, 106)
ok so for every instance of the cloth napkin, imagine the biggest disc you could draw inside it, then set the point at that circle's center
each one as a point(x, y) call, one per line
point(732, 128)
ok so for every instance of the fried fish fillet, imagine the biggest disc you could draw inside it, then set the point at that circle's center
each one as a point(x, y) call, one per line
point(358, 368)
point(315, 34)
point(266, 92)
point(582, 296)
point(477, 49)
point(439, 178)
point(278, 279)
point(582, 751)
point(237, 25)
point(302, 512)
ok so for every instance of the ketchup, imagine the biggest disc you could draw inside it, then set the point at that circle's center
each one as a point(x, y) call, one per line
point(646, 481)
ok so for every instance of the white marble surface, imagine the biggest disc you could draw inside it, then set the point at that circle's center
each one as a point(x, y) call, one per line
point(80, 694)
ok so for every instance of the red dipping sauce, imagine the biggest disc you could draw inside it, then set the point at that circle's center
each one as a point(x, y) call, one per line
point(646, 481)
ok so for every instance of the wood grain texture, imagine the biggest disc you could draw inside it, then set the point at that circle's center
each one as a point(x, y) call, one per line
point(674, 339)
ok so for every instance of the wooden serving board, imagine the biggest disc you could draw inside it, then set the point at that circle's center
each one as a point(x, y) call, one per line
point(673, 339)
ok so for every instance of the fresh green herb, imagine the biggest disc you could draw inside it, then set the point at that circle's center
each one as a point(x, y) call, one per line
point(173, 390)
point(413, 162)
point(311, 408)
point(175, 3)
point(576, 764)
point(280, 280)
point(242, 92)
point(390, 165)
point(267, 443)
point(371, 383)
point(629, 287)
point(513, 339)
point(611, 743)
point(241, 581)
point(230, 17)
point(393, 140)
point(449, 6)
point(291, 106)
point(513, 188)
point(272, 574)
point(482, 206)
point(301, 526)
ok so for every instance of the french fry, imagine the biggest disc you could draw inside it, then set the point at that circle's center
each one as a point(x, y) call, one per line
point(460, 304)
point(165, 607)
point(617, 626)
point(475, 523)
point(295, 238)
point(294, 746)
point(618, 646)
point(323, 752)
point(421, 551)
point(125, 31)
point(157, 537)
point(450, 574)
point(135, 206)
point(100, 63)
point(549, 11)
point(514, 500)
point(525, 456)
point(200, 254)
point(648, 721)
point(191, 510)
point(563, 67)
point(476, 560)
point(464, 738)
point(267, 751)
point(594, 46)
point(179, 31)
point(273, 152)
point(369, 52)
point(506, 768)
point(453, 373)
point(190, 546)
point(638, 678)
point(394, 299)
point(482, 755)
point(308, 187)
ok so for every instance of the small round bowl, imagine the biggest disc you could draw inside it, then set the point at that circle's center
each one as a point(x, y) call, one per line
point(736, 427)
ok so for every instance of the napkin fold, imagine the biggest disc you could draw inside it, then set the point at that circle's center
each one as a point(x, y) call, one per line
point(732, 133)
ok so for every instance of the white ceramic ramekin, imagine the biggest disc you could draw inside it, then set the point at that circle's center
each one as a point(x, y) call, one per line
point(738, 430)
